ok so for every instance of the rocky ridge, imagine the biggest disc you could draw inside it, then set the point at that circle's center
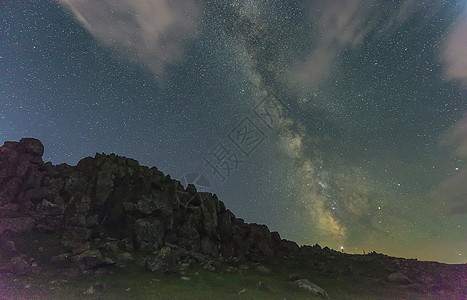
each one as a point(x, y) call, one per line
point(110, 211)
point(113, 202)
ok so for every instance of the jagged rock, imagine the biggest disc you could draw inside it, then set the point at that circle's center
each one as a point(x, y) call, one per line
point(200, 258)
point(20, 172)
point(224, 226)
point(191, 189)
point(286, 247)
point(209, 207)
point(105, 183)
point(125, 257)
point(209, 266)
point(261, 239)
point(126, 244)
point(80, 248)
point(49, 208)
point(264, 270)
point(208, 247)
point(310, 287)
point(149, 234)
point(75, 184)
point(111, 246)
point(32, 146)
point(164, 262)
point(90, 259)
point(231, 269)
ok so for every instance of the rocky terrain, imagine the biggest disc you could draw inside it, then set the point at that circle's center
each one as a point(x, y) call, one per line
point(108, 213)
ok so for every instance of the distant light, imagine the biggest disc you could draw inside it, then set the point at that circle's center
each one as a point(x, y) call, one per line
point(457, 169)
point(342, 248)
point(379, 207)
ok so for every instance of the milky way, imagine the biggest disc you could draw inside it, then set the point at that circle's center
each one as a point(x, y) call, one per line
point(333, 122)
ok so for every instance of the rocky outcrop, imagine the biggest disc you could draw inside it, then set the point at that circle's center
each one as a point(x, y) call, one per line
point(108, 212)
point(112, 198)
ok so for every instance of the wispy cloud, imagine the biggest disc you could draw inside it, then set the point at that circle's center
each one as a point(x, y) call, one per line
point(151, 32)
point(455, 49)
point(452, 192)
point(456, 137)
point(341, 25)
point(405, 10)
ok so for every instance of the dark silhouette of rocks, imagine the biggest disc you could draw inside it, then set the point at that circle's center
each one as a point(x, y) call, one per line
point(108, 197)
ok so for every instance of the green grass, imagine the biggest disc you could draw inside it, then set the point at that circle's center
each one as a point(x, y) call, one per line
point(135, 283)
point(368, 281)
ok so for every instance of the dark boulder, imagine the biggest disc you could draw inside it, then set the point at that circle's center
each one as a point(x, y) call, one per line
point(90, 259)
point(164, 262)
point(32, 146)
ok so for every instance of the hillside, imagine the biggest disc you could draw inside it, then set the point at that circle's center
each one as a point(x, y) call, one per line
point(87, 227)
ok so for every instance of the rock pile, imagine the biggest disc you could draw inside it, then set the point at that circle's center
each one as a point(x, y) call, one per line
point(114, 203)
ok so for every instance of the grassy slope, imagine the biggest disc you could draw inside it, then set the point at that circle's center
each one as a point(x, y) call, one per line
point(134, 282)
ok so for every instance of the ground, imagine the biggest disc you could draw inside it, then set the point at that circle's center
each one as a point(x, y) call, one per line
point(342, 276)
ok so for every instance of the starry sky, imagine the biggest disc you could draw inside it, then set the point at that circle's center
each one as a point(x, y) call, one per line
point(341, 123)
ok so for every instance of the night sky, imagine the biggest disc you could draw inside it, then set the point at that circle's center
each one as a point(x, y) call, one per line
point(341, 123)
